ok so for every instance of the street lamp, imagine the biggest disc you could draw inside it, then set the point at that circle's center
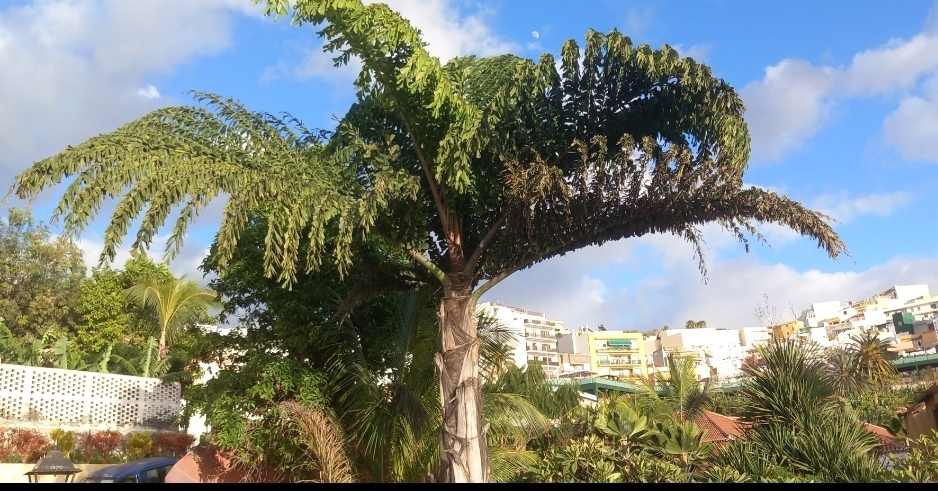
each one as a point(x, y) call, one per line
point(53, 464)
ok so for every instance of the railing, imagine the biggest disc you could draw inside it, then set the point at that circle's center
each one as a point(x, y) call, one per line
point(621, 349)
point(549, 336)
point(614, 363)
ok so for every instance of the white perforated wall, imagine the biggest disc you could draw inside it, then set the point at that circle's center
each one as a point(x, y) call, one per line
point(50, 396)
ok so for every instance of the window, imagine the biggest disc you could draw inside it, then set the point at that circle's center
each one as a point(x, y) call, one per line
point(164, 471)
point(129, 479)
point(151, 475)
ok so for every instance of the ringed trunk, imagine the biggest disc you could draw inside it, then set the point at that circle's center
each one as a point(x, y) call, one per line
point(162, 352)
point(464, 448)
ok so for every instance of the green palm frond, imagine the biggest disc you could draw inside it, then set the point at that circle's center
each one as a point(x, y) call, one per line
point(507, 463)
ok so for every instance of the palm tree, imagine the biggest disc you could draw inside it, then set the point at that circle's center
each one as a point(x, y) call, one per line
point(842, 369)
point(385, 428)
point(175, 306)
point(684, 395)
point(871, 358)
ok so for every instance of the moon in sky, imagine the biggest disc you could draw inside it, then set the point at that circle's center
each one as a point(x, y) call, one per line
point(536, 35)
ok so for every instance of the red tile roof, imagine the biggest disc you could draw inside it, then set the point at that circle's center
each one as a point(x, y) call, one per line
point(719, 429)
point(890, 444)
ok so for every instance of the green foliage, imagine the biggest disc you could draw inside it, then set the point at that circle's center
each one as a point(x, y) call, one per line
point(138, 445)
point(919, 465)
point(39, 277)
point(475, 170)
point(106, 314)
point(65, 440)
point(678, 391)
point(691, 324)
point(175, 306)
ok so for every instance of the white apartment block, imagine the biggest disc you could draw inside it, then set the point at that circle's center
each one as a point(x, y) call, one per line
point(717, 352)
point(874, 312)
point(535, 335)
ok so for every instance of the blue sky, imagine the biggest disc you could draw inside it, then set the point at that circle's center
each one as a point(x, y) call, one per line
point(842, 101)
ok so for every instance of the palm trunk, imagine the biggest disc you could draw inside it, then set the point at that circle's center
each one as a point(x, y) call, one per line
point(464, 449)
point(162, 351)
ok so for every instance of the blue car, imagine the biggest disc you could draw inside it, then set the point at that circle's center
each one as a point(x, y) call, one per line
point(153, 469)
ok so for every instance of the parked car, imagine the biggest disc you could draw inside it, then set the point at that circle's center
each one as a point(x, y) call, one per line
point(153, 469)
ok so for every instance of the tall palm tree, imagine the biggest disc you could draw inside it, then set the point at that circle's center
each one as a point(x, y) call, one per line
point(383, 425)
point(174, 305)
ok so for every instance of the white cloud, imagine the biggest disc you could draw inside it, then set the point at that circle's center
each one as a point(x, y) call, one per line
point(447, 30)
point(535, 35)
point(71, 69)
point(787, 107)
point(845, 209)
point(894, 66)
point(637, 20)
point(913, 127)
point(734, 287)
point(149, 92)
point(794, 99)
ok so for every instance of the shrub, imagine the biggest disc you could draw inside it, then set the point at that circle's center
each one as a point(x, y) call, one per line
point(139, 445)
point(65, 440)
point(171, 444)
point(4, 445)
point(99, 447)
point(28, 445)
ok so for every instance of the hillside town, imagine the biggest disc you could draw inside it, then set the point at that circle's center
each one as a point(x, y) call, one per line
point(903, 316)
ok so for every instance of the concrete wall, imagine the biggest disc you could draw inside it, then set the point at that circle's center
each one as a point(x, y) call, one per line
point(15, 473)
point(79, 401)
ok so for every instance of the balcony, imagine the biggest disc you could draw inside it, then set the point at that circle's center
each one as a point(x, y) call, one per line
point(541, 350)
point(618, 349)
point(620, 362)
point(540, 335)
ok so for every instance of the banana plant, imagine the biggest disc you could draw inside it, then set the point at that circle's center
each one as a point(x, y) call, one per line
point(149, 364)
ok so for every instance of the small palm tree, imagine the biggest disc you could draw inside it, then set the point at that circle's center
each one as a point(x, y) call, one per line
point(680, 390)
point(871, 358)
point(175, 306)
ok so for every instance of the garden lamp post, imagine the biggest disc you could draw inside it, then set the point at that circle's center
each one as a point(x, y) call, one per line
point(53, 464)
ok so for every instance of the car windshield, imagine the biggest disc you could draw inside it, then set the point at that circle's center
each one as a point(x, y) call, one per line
point(98, 479)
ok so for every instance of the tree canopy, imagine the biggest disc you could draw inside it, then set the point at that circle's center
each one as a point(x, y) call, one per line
point(475, 170)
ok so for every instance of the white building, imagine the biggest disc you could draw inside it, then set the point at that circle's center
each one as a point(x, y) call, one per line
point(717, 352)
point(535, 335)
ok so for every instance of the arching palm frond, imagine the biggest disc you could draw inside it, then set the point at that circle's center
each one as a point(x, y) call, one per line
point(175, 305)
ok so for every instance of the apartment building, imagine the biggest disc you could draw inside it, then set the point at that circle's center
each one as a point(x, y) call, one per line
point(535, 336)
point(611, 353)
point(717, 353)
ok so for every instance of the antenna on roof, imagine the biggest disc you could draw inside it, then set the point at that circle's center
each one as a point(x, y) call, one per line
point(601, 327)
